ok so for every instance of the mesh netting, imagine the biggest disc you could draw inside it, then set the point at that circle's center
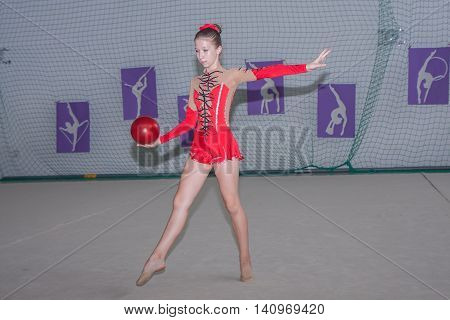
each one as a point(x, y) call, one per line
point(74, 51)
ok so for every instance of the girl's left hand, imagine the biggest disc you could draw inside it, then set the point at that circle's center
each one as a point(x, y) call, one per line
point(319, 61)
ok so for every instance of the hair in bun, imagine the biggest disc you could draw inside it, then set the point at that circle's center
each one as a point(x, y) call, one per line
point(212, 31)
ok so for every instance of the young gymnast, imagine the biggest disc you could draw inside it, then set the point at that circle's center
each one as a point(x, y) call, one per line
point(213, 146)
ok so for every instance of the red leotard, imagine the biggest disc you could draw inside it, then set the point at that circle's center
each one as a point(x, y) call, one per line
point(209, 106)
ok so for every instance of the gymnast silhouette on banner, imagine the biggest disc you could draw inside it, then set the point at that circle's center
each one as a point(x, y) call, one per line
point(139, 93)
point(428, 76)
point(265, 96)
point(336, 111)
point(72, 134)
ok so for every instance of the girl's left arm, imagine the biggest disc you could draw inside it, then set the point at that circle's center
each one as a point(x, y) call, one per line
point(278, 70)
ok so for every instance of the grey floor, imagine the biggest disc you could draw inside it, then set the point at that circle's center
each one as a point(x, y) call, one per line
point(369, 236)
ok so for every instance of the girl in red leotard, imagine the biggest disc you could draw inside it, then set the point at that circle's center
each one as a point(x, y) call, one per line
point(214, 145)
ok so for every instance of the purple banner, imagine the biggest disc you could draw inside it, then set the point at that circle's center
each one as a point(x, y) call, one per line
point(336, 111)
point(428, 76)
point(139, 93)
point(265, 96)
point(72, 127)
point(186, 138)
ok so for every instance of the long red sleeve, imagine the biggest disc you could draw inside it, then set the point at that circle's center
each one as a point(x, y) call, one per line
point(187, 124)
point(278, 70)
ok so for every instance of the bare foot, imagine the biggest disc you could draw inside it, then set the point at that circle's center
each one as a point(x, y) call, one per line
point(246, 272)
point(151, 266)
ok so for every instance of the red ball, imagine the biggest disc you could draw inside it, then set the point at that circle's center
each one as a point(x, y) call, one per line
point(144, 130)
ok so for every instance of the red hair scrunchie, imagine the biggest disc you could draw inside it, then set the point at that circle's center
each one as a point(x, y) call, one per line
point(209, 25)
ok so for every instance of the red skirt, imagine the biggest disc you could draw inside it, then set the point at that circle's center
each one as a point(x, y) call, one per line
point(214, 146)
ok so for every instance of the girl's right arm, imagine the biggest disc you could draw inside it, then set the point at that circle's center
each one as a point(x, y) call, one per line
point(184, 126)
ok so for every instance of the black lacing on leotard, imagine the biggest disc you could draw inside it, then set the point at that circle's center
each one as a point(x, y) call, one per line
point(207, 82)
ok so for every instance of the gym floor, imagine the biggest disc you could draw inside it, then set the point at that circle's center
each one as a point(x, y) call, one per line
point(363, 236)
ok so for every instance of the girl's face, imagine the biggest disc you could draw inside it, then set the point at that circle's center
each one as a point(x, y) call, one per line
point(206, 51)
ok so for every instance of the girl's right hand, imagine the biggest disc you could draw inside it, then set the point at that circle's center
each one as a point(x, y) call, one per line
point(151, 145)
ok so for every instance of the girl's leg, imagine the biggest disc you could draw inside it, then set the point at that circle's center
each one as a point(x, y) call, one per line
point(191, 181)
point(227, 174)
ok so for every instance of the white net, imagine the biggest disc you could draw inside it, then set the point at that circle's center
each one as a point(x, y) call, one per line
point(60, 50)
